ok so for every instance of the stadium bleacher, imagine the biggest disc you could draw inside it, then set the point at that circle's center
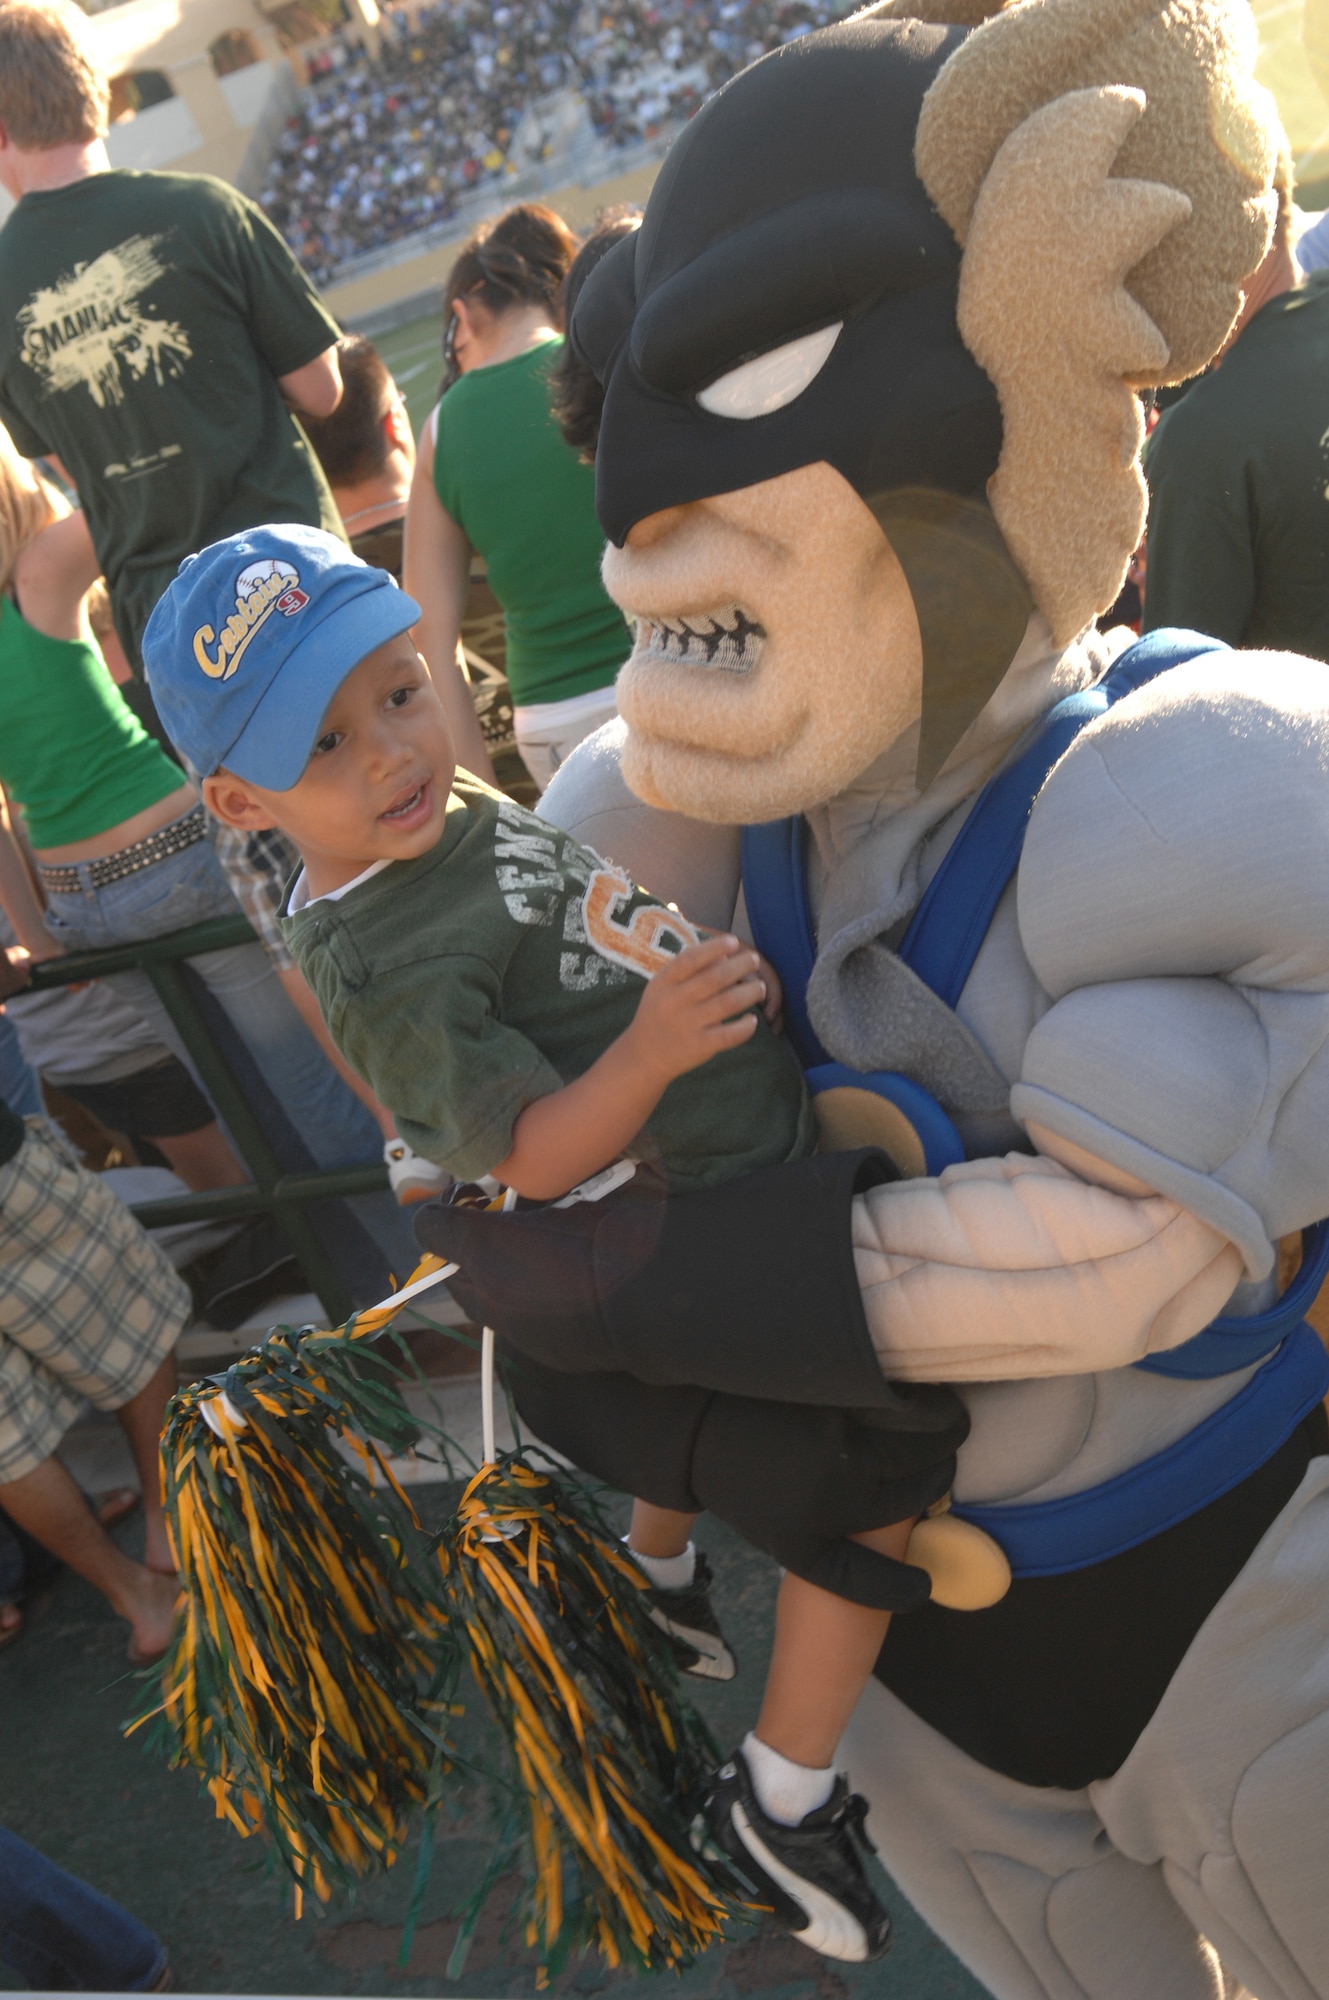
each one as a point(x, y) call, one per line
point(381, 150)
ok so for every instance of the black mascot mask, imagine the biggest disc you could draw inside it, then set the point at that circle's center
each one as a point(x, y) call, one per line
point(791, 298)
point(789, 207)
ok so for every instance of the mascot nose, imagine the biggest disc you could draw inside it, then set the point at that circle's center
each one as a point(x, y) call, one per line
point(653, 528)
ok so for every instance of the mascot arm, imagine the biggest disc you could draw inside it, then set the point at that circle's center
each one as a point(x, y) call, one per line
point(1214, 1094)
point(683, 861)
point(1173, 900)
point(1018, 1267)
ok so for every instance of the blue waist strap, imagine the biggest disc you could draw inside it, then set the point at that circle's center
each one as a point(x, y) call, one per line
point(1050, 1537)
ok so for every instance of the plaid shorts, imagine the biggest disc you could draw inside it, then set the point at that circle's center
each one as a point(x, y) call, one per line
point(88, 1304)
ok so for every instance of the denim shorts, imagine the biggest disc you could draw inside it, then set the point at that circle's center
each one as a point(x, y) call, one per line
point(20, 1086)
point(180, 889)
point(549, 731)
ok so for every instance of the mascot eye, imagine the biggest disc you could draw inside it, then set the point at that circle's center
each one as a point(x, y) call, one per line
point(758, 387)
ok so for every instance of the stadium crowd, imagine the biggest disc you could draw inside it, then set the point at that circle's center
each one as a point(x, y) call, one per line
point(380, 150)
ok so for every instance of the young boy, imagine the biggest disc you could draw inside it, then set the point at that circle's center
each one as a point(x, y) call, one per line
point(529, 1014)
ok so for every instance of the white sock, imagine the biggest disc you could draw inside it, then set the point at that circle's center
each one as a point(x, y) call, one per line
point(786, 1792)
point(666, 1572)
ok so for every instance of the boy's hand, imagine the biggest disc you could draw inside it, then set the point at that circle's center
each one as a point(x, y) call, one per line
point(698, 1006)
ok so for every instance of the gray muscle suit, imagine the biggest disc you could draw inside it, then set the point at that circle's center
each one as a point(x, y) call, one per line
point(1154, 990)
point(868, 467)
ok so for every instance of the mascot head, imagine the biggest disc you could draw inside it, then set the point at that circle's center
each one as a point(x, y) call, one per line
point(870, 369)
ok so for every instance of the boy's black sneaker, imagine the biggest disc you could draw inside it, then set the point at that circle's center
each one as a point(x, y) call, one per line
point(698, 1644)
point(812, 1874)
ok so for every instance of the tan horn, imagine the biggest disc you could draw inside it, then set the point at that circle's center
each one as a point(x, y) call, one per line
point(1208, 130)
point(1067, 495)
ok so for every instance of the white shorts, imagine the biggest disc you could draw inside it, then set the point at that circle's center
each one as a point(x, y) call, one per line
point(549, 731)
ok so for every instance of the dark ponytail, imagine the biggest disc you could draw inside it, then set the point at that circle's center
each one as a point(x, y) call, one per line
point(521, 259)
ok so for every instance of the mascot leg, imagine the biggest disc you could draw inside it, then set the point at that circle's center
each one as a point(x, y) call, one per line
point(1227, 1784)
point(1020, 1881)
point(1210, 1844)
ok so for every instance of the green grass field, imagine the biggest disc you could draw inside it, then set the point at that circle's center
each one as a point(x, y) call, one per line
point(414, 353)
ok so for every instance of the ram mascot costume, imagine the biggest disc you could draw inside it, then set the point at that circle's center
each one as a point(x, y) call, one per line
point(1054, 934)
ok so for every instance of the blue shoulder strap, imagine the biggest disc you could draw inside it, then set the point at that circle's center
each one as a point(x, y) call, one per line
point(952, 919)
point(775, 889)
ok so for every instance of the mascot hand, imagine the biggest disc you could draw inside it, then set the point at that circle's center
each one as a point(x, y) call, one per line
point(797, 1482)
point(1017, 1267)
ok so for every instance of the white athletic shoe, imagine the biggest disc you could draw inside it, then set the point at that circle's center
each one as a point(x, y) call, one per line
point(410, 1177)
point(813, 1874)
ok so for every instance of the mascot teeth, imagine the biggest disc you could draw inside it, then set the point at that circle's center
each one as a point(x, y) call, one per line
point(727, 639)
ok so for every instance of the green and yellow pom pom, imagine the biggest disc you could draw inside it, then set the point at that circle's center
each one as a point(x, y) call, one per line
point(609, 1761)
point(311, 1665)
point(321, 1638)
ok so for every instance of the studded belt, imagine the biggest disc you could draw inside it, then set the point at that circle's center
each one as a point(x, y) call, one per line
point(70, 879)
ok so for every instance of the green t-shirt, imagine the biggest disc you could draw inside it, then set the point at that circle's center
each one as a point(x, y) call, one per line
point(1238, 475)
point(72, 755)
point(148, 318)
point(526, 502)
point(468, 983)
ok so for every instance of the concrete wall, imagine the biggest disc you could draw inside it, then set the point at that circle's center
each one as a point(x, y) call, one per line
point(209, 125)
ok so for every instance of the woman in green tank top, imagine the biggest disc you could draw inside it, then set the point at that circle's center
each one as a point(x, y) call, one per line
point(88, 780)
point(493, 475)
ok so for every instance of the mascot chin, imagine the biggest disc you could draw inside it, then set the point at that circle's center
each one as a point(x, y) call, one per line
point(1053, 926)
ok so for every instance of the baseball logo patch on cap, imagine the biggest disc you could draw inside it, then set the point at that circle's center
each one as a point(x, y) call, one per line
point(260, 589)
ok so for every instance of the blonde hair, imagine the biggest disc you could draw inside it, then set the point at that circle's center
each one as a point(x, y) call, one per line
point(28, 503)
point(53, 90)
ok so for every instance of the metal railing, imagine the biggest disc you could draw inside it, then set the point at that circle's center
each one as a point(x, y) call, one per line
point(272, 1191)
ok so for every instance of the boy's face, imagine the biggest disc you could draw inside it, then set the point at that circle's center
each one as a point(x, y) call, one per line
point(377, 781)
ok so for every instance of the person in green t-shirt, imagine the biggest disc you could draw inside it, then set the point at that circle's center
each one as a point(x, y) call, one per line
point(158, 338)
point(158, 332)
point(493, 474)
point(528, 1013)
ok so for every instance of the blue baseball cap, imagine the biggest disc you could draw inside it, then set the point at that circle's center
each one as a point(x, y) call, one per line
point(252, 640)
